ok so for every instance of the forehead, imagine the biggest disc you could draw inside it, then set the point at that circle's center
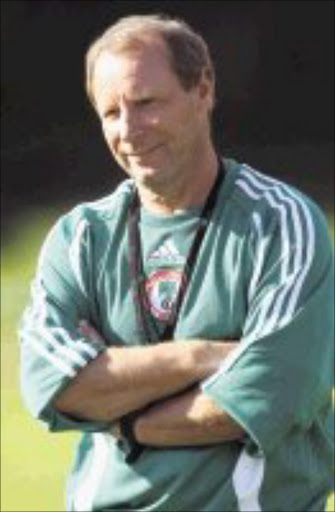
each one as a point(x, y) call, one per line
point(145, 66)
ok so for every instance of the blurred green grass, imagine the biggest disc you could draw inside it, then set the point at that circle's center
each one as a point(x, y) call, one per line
point(34, 462)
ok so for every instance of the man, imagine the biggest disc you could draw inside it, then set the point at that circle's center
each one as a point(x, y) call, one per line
point(184, 323)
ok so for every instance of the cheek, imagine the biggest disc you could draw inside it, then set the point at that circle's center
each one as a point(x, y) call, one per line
point(110, 137)
point(185, 128)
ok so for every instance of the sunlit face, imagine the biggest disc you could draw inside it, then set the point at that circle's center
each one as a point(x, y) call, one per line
point(153, 127)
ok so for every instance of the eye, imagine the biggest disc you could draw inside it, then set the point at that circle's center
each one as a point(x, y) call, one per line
point(111, 113)
point(145, 101)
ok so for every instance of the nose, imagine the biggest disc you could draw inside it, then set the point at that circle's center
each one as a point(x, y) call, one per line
point(129, 126)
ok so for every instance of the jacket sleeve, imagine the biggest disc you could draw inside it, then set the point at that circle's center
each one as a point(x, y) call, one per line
point(53, 350)
point(281, 375)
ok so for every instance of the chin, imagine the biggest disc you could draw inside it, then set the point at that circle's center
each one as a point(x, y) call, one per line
point(148, 175)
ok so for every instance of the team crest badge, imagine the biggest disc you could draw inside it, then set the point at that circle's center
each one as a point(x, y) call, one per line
point(162, 289)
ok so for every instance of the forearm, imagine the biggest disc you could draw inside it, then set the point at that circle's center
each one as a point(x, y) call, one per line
point(125, 379)
point(188, 419)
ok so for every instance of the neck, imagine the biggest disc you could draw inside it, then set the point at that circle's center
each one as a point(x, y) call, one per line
point(190, 188)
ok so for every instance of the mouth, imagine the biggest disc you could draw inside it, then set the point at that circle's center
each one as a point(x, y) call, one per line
point(144, 152)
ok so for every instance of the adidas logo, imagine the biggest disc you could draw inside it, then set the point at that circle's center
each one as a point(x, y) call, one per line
point(167, 253)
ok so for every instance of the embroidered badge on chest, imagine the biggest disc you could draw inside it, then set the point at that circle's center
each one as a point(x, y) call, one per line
point(162, 288)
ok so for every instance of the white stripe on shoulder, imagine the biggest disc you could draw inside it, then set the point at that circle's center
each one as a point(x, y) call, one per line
point(41, 350)
point(75, 253)
point(302, 262)
point(248, 477)
point(76, 344)
point(284, 259)
point(269, 195)
point(260, 254)
point(281, 197)
point(47, 334)
point(53, 339)
point(310, 252)
point(281, 302)
point(85, 347)
point(278, 189)
point(85, 494)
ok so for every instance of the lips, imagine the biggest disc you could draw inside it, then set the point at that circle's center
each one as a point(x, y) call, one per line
point(142, 152)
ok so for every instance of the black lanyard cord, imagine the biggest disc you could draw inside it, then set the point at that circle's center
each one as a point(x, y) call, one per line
point(204, 221)
point(137, 271)
point(140, 297)
point(132, 447)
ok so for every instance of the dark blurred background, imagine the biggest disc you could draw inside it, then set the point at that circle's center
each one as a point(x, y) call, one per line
point(275, 106)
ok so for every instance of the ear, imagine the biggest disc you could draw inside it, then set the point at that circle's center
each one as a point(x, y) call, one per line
point(206, 88)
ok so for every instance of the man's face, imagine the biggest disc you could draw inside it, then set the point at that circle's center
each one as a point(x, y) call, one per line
point(153, 127)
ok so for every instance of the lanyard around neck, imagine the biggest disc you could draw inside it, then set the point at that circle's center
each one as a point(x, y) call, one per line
point(137, 274)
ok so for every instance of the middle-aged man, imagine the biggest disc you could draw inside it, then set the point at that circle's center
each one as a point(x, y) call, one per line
point(184, 323)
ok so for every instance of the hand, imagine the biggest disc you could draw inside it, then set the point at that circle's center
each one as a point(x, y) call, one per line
point(86, 329)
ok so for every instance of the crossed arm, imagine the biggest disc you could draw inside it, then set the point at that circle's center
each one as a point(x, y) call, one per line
point(163, 381)
point(188, 419)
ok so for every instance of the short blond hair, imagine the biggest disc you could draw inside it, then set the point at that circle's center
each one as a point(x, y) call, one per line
point(188, 52)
